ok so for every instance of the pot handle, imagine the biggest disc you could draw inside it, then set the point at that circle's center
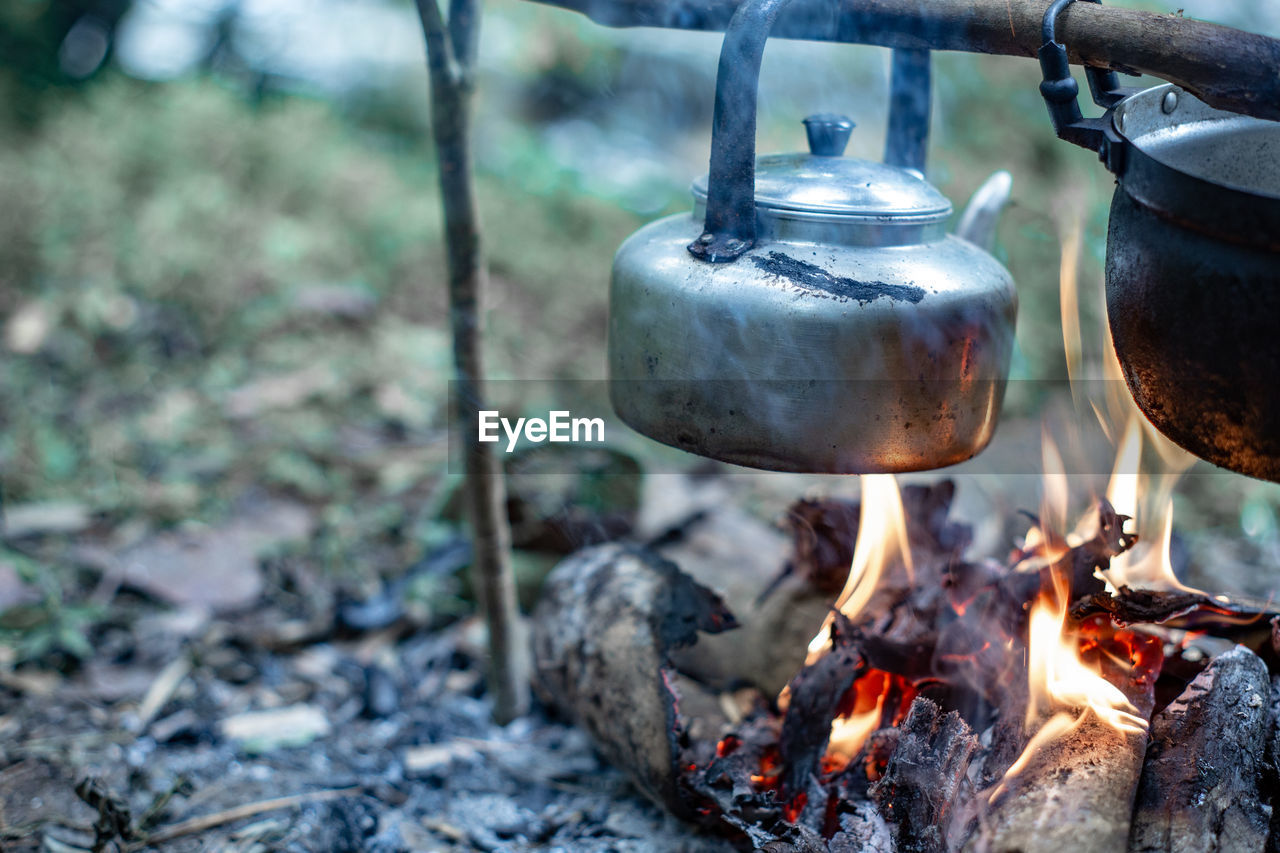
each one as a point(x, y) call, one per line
point(730, 227)
point(1060, 92)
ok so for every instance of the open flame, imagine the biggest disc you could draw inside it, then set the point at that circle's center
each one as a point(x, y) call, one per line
point(881, 546)
point(1142, 483)
point(1066, 685)
point(1064, 690)
point(1146, 496)
point(881, 543)
point(1059, 680)
point(850, 732)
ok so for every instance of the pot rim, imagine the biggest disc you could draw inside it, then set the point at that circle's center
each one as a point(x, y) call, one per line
point(1224, 211)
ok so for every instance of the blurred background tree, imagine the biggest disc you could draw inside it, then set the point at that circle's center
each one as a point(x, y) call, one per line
point(52, 44)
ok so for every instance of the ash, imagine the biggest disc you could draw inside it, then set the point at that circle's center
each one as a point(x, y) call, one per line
point(393, 750)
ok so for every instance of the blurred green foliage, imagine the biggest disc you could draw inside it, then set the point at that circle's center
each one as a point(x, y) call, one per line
point(49, 625)
point(204, 292)
point(161, 251)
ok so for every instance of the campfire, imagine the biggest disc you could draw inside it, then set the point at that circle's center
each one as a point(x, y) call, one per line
point(887, 689)
point(944, 704)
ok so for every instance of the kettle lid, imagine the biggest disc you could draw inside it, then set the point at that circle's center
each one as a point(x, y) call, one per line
point(823, 185)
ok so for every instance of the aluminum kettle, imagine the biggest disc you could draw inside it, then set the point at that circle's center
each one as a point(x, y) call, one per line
point(812, 313)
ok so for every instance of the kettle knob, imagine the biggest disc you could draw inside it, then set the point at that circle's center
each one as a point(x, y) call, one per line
point(828, 134)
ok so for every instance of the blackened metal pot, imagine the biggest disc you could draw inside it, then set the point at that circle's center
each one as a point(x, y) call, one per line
point(1193, 260)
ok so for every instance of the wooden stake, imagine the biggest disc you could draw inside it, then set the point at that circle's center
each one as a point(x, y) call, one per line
point(451, 52)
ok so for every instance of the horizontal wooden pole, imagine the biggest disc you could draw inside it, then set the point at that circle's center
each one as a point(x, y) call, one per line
point(1227, 68)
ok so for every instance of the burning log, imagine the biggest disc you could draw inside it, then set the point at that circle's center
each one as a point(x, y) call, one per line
point(817, 696)
point(1075, 793)
point(1075, 782)
point(924, 776)
point(875, 748)
point(603, 630)
point(1199, 788)
point(1178, 608)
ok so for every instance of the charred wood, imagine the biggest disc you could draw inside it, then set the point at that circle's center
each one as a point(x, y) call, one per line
point(1271, 770)
point(740, 558)
point(924, 776)
point(1139, 606)
point(1199, 788)
point(607, 619)
point(818, 693)
point(862, 830)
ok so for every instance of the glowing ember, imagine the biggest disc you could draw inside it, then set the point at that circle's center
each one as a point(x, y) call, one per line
point(850, 731)
point(881, 545)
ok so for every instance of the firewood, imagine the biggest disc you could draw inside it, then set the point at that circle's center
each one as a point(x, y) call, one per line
point(1271, 769)
point(1199, 788)
point(607, 619)
point(924, 776)
point(1076, 791)
point(781, 595)
point(742, 558)
point(1223, 615)
point(1074, 794)
point(817, 692)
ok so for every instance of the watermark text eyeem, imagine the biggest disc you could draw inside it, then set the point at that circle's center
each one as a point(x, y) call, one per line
point(559, 426)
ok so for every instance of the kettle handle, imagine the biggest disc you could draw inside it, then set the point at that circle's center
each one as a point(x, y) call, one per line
point(730, 227)
point(910, 99)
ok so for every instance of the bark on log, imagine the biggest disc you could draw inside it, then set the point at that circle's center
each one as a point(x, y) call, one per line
point(603, 628)
point(1271, 770)
point(1227, 68)
point(924, 777)
point(1199, 789)
point(741, 558)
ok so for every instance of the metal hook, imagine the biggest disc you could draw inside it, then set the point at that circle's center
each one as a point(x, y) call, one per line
point(1060, 93)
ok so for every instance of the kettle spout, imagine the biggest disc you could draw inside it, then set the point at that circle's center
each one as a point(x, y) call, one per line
point(982, 214)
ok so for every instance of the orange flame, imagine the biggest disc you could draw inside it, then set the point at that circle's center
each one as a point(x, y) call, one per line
point(850, 732)
point(1147, 496)
point(1064, 690)
point(1059, 680)
point(1141, 484)
point(881, 543)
